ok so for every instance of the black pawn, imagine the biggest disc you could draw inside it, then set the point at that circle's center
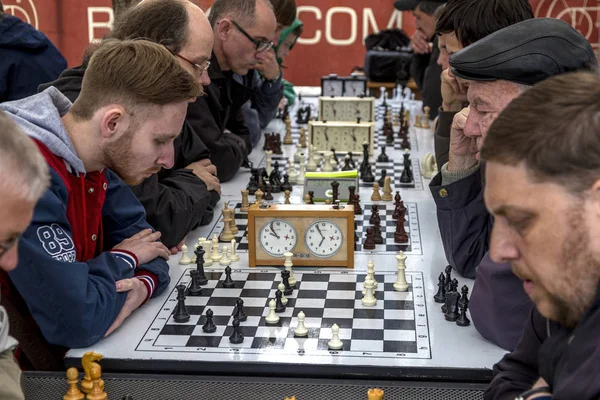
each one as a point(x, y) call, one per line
point(355, 233)
point(383, 157)
point(195, 288)
point(347, 166)
point(451, 313)
point(240, 313)
point(448, 279)
point(465, 294)
point(311, 193)
point(199, 252)
point(268, 195)
point(440, 296)
point(285, 276)
point(279, 307)
point(381, 180)
point(228, 282)
point(335, 188)
point(377, 237)
point(286, 185)
point(209, 325)
point(352, 163)
point(181, 314)
point(462, 319)
point(368, 175)
point(335, 156)
point(374, 211)
point(236, 337)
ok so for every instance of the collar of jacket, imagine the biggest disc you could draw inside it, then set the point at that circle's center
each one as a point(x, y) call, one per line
point(214, 70)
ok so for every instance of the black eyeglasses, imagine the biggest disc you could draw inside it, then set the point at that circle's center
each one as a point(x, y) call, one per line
point(197, 67)
point(9, 244)
point(261, 45)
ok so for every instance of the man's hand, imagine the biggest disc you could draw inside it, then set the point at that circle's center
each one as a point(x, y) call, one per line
point(454, 92)
point(177, 249)
point(207, 172)
point(462, 148)
point(540, 384)
point(136, 294)
point(145, 246)
point(420, 43)
point(268, 66)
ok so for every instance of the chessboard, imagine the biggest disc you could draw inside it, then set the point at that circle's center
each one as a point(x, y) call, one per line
point(388, 227)
point(393, 168)
point(395, 328)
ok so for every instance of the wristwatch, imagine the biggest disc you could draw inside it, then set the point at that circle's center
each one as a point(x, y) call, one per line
point(527, 394)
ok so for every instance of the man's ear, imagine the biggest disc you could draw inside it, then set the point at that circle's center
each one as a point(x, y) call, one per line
point(114, 120)
point(223, 30)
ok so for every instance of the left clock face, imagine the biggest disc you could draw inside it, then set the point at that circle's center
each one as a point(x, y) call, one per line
point(323, 239)
point(278, 237)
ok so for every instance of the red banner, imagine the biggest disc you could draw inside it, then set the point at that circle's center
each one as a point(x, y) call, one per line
point(333, 39)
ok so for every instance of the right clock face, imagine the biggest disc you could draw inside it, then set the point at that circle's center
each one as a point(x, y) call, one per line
point(323, 238)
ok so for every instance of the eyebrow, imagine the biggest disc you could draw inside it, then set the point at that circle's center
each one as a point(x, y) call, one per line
point(504, 210)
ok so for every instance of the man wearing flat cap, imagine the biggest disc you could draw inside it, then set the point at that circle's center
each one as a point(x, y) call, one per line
point(499, 68)
point(424, 68)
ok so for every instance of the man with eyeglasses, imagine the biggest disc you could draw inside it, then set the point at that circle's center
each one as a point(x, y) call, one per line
point(243, 34)
point(24, 178)
point(180, 199)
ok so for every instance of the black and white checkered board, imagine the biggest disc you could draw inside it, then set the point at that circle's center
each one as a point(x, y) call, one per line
point(393, 168)
point(388, 227)
point(380, 138)
point(395, 328)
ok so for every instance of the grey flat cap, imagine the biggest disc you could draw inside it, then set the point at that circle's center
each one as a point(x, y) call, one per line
point(527, 52)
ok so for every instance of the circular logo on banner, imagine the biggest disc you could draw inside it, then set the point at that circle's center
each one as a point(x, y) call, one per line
point(23, 9)
point(583, 15)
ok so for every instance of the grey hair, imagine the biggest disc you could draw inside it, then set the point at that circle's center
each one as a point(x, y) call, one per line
point(242, 11)
point(23, 169)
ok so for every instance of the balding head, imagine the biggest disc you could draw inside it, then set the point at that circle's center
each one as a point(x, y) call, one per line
point(179, 25)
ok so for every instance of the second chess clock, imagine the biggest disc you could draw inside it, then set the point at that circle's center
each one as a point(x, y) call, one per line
point(317, 235)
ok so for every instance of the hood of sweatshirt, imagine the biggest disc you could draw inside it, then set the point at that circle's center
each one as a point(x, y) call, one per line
point(40, 117)
point(284, 34)
point(19, 35)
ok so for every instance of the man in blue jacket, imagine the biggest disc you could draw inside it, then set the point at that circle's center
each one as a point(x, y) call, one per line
point(28, 58)
point(89, 258)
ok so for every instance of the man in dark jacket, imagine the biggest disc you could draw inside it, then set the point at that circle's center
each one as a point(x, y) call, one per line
point(543, 189)
point(28, 58)
point(424, 68)
point(243, 31)
point(498, 69)
point(179, 199)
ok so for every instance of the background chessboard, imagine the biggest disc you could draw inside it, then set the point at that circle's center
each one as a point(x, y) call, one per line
point(393, 168)
point(395, 328)
point(388, 227)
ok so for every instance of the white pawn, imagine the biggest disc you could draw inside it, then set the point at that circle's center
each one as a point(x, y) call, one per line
point(272, 318)
point(215, 255)
point(268, 166)
point(371, 270)
point(300, 179)
point(301, 328)
point(281, 287)
point(401, 285)
point(185, 259)
point(288, 264)
point(327, 167)
point(292, 173)
point(369, 299)
point(234, 255)
point(311, 165)
point(206, 246)
point(225, 260)
point(335, 343)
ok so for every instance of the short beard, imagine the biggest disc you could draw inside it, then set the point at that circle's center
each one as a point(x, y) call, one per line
point(118, 155)
point(577, 289)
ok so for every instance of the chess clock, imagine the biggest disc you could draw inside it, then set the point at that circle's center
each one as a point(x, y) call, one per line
point(332, 85)
point(355, 85)
point(347, 109)
point(343, 136)
point(317, 235)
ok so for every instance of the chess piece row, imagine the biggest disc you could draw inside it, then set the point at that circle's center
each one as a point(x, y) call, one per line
point(210, 252)
point(455, 305)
